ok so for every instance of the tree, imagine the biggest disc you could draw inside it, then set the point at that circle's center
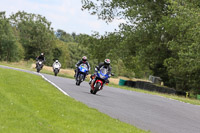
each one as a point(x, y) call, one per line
point(10, 49)
point(63, 36)
point(139, 36)
point(163, 35)
point(184, 65)
point(61, 52)
point(36, 34)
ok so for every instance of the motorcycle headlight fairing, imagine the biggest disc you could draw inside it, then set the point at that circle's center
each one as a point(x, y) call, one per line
point(101, 76)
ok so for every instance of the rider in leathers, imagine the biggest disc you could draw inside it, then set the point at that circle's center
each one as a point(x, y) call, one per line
point(82, 61)
point(40, 58)
point(105, 64)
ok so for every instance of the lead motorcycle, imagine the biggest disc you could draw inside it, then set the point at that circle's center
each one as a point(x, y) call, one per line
point(39, 65)
point(99, 79)
point(82, 72)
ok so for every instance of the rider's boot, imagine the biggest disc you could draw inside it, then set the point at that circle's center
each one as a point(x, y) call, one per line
point(90, 81)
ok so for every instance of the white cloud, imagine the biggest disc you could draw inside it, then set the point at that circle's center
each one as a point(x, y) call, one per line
point(95, 25)
point(64, 14)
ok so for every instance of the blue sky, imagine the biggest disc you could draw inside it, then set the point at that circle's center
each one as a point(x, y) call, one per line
point(64, 14)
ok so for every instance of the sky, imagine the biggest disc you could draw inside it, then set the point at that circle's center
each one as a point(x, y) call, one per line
point(63, 14)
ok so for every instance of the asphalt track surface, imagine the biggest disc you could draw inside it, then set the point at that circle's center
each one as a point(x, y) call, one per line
point(145, 111)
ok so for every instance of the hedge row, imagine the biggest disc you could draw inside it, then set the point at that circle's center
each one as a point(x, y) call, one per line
point(149, 86)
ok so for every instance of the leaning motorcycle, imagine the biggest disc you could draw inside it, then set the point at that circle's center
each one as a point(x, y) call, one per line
point(82, 72)
point(98, 80)
point(56, 69)
point(39, 65)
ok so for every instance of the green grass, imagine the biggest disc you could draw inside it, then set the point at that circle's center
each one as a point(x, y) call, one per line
point(28, 104)
point(179, 98)
point(23, 64)
point(27, 65)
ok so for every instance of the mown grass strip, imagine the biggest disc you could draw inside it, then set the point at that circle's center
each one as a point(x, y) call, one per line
point(28, 104)
point(175, 97)
point(179, 98)
point(28, 66)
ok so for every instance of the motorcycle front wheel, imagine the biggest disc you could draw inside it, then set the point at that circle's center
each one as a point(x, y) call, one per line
point(96, 88)
point(38, 69)
point(78, 80)
point(56, 72)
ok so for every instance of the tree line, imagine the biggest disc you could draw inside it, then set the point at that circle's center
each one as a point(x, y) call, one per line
point(23, 36)
point(160, 38)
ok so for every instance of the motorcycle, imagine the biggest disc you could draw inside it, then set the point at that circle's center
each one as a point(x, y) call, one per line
point(99, 79)
point(56, 69)
point(39, 65)
point(82, 72)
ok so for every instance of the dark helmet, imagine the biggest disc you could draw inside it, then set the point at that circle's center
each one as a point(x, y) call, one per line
point(107, 61)
point(84, 58)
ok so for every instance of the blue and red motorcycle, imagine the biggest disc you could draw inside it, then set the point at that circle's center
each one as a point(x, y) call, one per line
point(99, 79)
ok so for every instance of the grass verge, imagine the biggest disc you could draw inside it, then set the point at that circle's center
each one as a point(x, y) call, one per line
point(28, 104)
point(179, 98)
point(27, 65)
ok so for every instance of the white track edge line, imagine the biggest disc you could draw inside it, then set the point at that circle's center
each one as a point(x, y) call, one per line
point(40, 75)
point(53, 84)
point(69, 96)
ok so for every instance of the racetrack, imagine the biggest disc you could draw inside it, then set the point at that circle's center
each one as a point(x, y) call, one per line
point(145, 111)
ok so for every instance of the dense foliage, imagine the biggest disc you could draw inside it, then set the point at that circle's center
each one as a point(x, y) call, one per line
point(160, 38)
point(10, 48)
point(34, 33)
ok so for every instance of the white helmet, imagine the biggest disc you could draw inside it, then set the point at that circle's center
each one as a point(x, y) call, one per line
point(84, 58)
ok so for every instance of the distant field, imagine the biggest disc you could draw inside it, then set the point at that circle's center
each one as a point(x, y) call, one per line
point(28, 104)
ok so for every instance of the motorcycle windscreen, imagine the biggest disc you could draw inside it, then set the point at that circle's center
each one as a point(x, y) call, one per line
point(103, 73)
point(83, 68)
point(56, 66)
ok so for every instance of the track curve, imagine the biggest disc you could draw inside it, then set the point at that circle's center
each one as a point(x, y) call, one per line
point(145, 111)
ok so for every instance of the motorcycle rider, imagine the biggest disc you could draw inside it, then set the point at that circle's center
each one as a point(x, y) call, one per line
point(82, 61)
point(57, 63)
point(40, 58)
point(105, 64)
